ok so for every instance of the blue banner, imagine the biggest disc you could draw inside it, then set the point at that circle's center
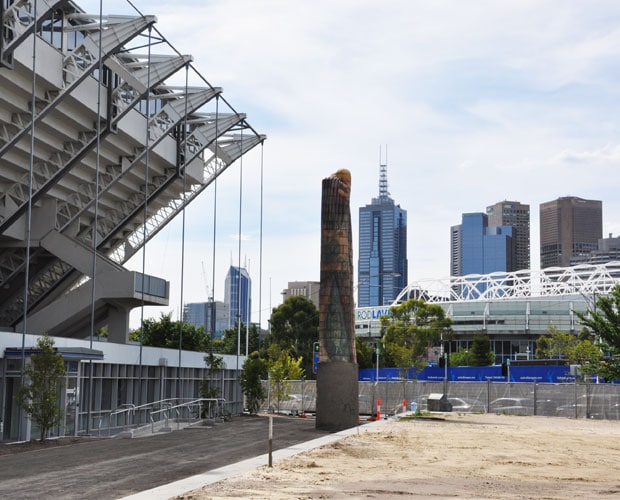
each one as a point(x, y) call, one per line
point(540, 373)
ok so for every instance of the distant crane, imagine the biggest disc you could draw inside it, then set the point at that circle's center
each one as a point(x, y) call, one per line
point(204, 278)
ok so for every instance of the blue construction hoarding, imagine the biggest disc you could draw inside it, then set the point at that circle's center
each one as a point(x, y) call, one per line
point(549, 374)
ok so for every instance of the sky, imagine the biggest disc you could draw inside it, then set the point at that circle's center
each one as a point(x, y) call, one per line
point(469, 102)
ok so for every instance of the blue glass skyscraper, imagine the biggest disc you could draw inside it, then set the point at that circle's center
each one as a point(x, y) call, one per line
point(382, 265)
point(238, 293)
point(485, 249)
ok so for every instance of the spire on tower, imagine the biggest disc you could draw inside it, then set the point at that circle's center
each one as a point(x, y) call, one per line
point(383, 184)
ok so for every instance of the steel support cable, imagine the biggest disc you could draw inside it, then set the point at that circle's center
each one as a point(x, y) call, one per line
point(212, 304)
point(93, 278)
point(260, 249)
point(239, 256)
point(247, 310)
point(183, 137)
point(146, 200)
point(29, 217)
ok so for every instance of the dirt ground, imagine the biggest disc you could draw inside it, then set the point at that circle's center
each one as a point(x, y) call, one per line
point(461, 456)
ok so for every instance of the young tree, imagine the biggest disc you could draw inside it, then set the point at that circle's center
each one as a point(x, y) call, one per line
point(45, 377)
point(412, 328)
point(254, 370)
point(555, 345)
point(209, 387)
point(460, 358)
point(282, 368)
point(366, 355)
point(586, 354)
point(576, 350)
point(481, 352)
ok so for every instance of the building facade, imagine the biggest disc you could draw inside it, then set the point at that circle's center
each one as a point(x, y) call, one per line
point(478, 248)
point(608, 251)
point(238, 296)
point(517, 216)
point(382, 263)
point(213, 316)
point(570, 228)
point(456, 264)
point(308, 289)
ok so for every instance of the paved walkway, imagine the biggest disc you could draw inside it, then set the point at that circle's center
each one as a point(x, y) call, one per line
point(161, 466)
point(199, 480)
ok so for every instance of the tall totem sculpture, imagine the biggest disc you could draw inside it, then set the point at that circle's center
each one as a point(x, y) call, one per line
point(337, 405)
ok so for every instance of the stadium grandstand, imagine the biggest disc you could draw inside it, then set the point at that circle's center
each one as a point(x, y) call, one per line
point(103, 141)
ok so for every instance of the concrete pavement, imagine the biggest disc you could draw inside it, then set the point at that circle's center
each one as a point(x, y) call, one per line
point(161, 466)
point(199, 480)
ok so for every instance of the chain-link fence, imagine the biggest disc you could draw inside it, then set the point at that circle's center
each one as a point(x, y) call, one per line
point(578, 400)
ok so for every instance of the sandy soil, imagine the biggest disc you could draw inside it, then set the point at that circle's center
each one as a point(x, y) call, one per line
point(461, 456)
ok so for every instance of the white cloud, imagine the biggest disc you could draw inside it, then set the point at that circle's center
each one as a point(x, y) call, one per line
point(477, 101)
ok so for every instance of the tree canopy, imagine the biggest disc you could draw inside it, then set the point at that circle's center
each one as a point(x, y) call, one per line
point(295, 328)
point(228, 343)
point(165, 333)
point(604, 319)
point(604, 322)
point(412, 328)
point(575, 349)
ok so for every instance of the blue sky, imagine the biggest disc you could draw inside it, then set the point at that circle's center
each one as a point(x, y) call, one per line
point(477, 102)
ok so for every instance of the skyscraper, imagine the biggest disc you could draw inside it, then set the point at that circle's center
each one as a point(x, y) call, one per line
point(483, 248)
point(382, 265)
point(570, 227)
point(238, 293)
point(517, 216)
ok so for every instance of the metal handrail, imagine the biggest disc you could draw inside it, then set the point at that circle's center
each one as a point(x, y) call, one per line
point(196, 402)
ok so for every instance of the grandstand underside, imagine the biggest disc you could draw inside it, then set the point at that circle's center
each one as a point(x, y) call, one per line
point(102, 143)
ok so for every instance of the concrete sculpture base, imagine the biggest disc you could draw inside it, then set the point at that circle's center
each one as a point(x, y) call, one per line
point(337, 404)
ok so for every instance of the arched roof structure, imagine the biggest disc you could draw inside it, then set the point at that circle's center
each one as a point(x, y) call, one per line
point(587, 280)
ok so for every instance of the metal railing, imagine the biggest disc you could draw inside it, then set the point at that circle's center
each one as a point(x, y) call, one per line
point(196, 410)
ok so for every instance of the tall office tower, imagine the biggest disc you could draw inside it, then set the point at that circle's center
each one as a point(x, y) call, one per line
point(516, 215)
point(570, 227)
point(213, 316)
point(478, 248)
point(382, 264)
point(238, 296)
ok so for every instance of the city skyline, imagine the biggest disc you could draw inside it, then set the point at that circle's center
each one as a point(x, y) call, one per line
point(476, 103)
